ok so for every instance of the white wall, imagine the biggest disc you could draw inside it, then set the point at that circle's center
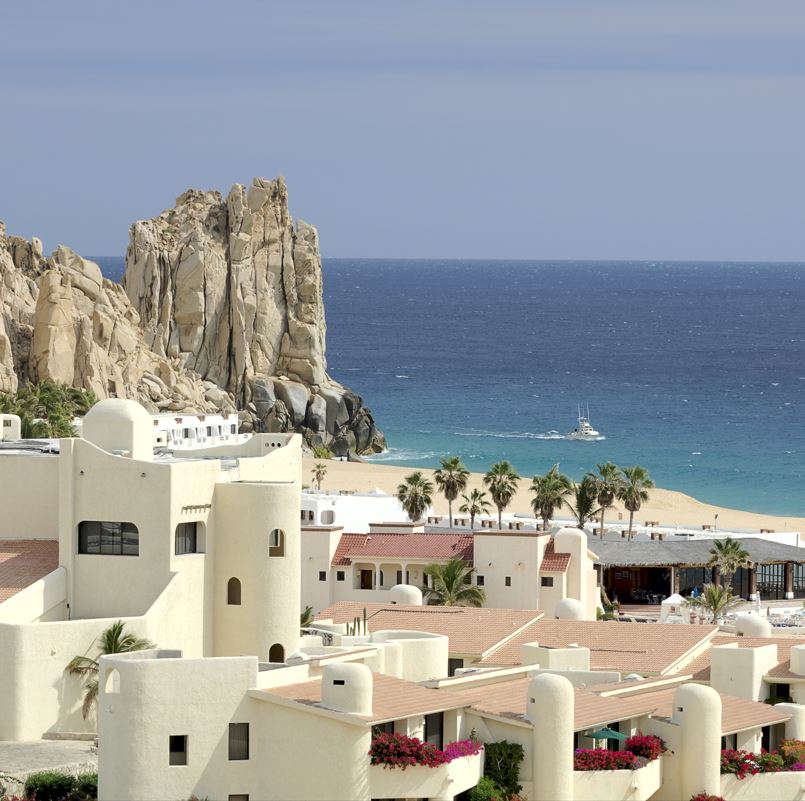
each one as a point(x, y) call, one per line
point(518, 556)
point(29, 487)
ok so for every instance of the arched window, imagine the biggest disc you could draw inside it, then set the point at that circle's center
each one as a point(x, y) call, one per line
point(276, 542)
point(233, 592)
point(276, 653)
point(112, 683)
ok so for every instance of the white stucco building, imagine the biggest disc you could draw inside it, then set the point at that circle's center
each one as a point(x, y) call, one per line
point(198, 552)
point(517, 569)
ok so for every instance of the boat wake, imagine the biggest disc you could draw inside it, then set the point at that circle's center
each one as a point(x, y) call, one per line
point(547, 435)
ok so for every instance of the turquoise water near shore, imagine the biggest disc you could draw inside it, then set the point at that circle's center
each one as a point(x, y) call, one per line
point(695, 370)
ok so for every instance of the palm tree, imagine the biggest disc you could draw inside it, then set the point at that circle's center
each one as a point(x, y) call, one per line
point(716, 600)
point(607, 482)
point(633, 490)
point(549, 491)
point(452, 585)
point(306, 618)
point(319, 472)
point(113, 640)
point(728, 555)
point(502, 481)
point(474, 504)
point(583, 503)
point(451, 479)
point(415, 494)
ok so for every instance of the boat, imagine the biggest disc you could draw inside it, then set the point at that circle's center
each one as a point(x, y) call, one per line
point(584, 431)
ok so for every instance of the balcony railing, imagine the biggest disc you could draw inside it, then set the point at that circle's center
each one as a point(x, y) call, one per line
point(420, 781)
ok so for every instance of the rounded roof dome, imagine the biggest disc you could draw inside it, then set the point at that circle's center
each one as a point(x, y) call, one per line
point(119, 409)
point(405, 594)
point(569, 609)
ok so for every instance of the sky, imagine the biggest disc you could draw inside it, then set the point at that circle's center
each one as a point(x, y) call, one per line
point(417, 129)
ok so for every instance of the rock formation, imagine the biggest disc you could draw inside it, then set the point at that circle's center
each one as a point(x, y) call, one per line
point(234, 291)
point(221, 309)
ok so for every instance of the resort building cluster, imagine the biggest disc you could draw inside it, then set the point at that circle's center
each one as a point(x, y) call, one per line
point(212, 552)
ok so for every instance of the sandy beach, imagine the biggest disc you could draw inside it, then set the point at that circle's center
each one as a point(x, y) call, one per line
point(666, 506)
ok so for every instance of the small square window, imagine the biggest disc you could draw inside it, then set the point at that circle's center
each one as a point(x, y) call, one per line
point(238, 741)
point(546, 581)
point(339, 575)
point(479, 581)
point(508, 581)
point(322, 575)
point(238, 797)
point(177, 749)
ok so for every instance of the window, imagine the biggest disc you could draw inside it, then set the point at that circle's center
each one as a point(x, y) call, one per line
point(507, 581)
point(322, 575)
point(311, 515)
point(399, 577)
point(327, 517)
point(238, 741)
point(232, 429)
point(339, 575)
point(186, 433)
point(479, 581)
point(304, 513)
point(186, 538)
point(238, 797)
point(233, 592)
point(119, 539)
point(276, 542)
point(177, 749)
point(209, 431)
point(383, 728)
point(434, 728)
point(276, 653)
point(546, 581)
point(453, 665)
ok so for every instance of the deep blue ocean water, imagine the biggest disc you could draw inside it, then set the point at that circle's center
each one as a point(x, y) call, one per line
point(694, 370)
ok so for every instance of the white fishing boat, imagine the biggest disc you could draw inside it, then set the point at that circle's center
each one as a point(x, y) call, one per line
point(584, 431)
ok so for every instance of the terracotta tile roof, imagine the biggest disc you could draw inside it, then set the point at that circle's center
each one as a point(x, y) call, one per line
point(508, 699)
point(403, 546)
point(653, 648)
point(471, 631)
point(22, 562)
point(555, 562)
point(700, 667)
point(392, 699)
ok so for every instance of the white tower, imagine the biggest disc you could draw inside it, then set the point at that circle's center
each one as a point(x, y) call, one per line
point(697, 709)
point(550, 709)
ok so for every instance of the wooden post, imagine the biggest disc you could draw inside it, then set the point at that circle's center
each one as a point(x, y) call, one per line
point(789, 580)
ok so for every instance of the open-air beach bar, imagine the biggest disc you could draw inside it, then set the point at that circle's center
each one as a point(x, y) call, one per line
point(646, 571)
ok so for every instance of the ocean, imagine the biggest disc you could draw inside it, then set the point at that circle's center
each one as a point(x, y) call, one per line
point(694, 370)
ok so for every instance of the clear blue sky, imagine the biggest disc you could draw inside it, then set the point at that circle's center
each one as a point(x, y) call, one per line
point(568, 129)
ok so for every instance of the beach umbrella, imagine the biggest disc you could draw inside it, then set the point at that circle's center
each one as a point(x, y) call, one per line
point(606, 734)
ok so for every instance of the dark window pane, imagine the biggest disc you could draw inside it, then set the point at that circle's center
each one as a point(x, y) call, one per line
point(186, 538)
point(434, 726)
point(177, 749)
point(108, 537)
point(238, 740)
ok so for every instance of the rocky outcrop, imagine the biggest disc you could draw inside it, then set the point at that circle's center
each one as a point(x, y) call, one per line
point(233, 290)
point(60, 319)
point(221, 309)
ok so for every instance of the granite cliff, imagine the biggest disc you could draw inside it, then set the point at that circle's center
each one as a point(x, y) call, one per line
point(221, 308)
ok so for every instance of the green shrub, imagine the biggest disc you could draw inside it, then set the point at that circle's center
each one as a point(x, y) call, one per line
point(502, 766)
point(320, 452)
point(49, 785)
point(486, 790)
point(86, 787)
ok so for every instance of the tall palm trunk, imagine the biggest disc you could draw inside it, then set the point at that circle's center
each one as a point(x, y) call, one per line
point(472, 522)
point(603, 509)
point(500, 517)
point(450, 511)
point(631, 520)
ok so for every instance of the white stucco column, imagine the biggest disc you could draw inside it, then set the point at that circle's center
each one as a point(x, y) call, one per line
point(376, 583)
point(550, 709)
point(697, 710)
point(795, 727)
point(404, 572)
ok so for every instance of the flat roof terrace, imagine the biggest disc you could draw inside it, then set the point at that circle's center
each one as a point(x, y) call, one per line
point(22, 562)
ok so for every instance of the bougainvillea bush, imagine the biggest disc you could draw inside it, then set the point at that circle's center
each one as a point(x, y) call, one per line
point(462, 748)
point(648, 746)
point(793, 751)
point(400, 751)
point(739, 763)
point(601, 759)
point(706, 797)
